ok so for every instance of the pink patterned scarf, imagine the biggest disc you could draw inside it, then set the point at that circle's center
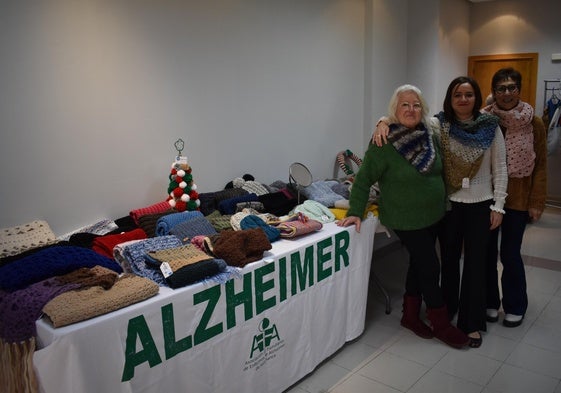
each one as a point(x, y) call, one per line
point(519, 137)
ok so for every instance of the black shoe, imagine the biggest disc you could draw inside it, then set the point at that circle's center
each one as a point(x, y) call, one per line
point(508, 322)
point(492, 315)
point(475, 342)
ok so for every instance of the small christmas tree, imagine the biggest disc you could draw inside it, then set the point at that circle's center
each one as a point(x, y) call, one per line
point(182, 190)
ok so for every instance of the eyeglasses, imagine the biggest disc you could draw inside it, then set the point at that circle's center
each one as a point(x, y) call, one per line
point(503, 89)
point(413, 107)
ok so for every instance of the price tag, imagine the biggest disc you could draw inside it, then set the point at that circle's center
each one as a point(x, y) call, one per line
point(166, 270)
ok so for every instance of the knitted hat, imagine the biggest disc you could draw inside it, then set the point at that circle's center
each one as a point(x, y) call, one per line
point(75, 306)
point(315, 211)
point(238, 248)
point(254, 187)
point(167, 222)
point(251, 221)
point(105, 244)
point(185, 231)
point(15, 240)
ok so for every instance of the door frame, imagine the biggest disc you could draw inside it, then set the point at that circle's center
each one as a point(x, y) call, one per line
point(480, 67)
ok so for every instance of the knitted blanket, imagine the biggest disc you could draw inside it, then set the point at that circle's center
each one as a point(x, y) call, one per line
point(17, 239)
point(76, 306)
point(18, 312)
point(50, 262)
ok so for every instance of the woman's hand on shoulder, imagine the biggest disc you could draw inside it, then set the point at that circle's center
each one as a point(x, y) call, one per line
point(380, 135)
point(351, 220)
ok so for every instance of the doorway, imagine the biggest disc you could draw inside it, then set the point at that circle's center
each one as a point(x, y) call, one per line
point(482, 69)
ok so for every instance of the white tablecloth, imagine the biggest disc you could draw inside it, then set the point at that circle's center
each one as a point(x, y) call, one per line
point(259, 333)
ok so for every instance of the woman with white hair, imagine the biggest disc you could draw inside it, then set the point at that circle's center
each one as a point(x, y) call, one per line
point(412, 202)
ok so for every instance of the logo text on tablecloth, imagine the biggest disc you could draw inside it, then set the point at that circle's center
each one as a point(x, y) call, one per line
point(259, 290)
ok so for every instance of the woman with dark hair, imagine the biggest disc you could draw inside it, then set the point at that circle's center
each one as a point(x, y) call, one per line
point(525, 139)
point(474, 158)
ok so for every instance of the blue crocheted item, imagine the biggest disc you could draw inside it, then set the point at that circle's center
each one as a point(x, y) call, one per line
point(50, 262)
point(320, 191)
point(187, 230)
point(253, 221)
point(166, 223)
point(135, 253)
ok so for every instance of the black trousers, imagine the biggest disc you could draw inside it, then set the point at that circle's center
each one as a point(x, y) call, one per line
point(465, 229)
point(423, 274)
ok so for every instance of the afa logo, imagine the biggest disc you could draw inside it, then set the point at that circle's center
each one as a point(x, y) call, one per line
point(265, 338)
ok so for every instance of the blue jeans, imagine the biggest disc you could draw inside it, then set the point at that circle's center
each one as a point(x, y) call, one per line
point(513, 279)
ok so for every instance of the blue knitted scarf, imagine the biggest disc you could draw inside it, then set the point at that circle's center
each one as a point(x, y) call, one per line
point(416, 146)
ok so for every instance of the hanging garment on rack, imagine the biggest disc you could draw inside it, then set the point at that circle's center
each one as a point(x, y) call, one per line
point(553, 137)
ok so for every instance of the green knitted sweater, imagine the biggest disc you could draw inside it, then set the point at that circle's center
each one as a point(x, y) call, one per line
point(408, 199)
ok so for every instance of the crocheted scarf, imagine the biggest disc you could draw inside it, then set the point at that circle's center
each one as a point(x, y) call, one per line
point(463, 145)
point(519, 138)
point(416, 146)
point(18, 312)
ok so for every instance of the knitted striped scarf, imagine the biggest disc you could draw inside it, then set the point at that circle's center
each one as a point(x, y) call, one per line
point(416, 146)
point(463, 145)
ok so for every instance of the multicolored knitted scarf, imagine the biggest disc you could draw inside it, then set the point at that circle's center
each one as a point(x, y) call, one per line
point(416, 146)
point(519, 138)
point(463, 145)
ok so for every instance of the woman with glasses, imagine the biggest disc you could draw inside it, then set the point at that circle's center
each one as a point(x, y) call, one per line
point(412, 202)
point(526, 147)
point(473, 152)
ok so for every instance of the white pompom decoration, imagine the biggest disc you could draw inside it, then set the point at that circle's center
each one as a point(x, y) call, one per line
point(181, 173)
point(193, 186)
point(185, 198)
point(172, 202)
point(182, 184)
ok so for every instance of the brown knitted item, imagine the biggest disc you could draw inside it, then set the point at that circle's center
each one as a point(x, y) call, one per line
point(238, 248)
point(75, 306)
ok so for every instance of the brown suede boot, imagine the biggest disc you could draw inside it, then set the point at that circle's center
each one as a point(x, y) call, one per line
point(443, 329)
point(410, 318)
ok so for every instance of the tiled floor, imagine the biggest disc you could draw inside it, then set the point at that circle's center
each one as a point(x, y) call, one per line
point(387, 358)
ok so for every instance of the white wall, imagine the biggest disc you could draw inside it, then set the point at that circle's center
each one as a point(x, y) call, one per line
point(386, 57)
point(519, 26)
point(95, 92)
